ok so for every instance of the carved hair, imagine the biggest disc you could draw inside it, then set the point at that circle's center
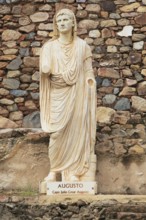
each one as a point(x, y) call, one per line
point(71, 15)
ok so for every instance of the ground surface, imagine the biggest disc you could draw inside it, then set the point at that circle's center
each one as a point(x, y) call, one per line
point(100, 207)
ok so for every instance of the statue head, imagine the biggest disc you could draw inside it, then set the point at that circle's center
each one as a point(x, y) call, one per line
point(66, 13)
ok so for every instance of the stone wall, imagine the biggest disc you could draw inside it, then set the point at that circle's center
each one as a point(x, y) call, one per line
point(116, 32)
point(24, 159)
point(81, 210)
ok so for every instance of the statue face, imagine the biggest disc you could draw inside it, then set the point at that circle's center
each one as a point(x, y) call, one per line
point(64, 23)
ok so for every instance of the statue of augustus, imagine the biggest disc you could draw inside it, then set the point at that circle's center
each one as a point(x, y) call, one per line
point(68, 101)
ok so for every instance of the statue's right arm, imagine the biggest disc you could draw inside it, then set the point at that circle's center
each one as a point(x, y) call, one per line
point(45, 63)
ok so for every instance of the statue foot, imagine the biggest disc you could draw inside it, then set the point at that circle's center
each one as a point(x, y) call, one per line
point(51, 177)
point(74, 178)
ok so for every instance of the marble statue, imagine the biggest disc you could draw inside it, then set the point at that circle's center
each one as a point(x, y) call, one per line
point(68, 101)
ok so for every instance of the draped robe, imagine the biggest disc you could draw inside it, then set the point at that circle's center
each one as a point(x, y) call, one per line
point(67, 105)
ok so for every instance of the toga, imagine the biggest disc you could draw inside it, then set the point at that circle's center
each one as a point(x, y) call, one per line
point(67, 104)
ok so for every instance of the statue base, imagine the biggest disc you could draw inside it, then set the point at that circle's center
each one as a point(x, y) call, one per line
point(68, 188)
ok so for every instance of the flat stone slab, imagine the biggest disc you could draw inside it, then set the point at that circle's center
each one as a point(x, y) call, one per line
point(37, 199)
point(104, 199)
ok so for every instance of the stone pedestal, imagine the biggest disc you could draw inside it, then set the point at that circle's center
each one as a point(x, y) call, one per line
point(86, 184)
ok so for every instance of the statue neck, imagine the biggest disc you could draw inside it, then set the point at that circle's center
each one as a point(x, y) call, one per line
point(65, 38)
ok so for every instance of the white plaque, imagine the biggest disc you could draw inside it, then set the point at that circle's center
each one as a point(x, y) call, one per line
point(54, 188)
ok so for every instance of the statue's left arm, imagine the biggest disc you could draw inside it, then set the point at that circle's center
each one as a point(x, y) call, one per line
point(90, 85)
point(88, 70)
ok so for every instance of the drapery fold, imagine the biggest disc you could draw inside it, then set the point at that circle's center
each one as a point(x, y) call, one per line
point(67, 105)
